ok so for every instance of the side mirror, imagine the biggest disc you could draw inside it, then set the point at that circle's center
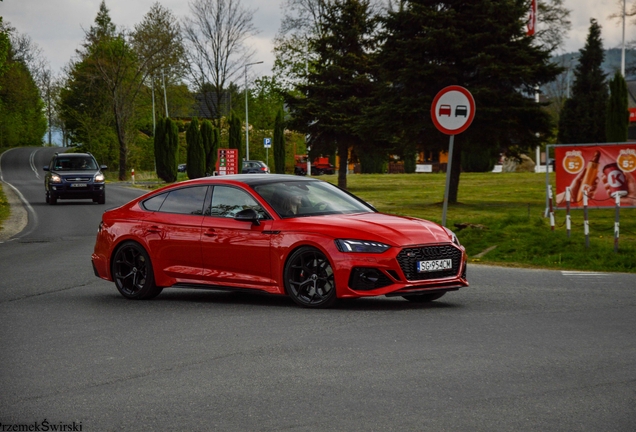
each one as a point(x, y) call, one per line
point(247, 215)
point(45, 167)
point(103, 167)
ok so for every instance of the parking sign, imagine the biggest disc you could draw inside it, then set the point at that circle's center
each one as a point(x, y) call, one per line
point(267, 142)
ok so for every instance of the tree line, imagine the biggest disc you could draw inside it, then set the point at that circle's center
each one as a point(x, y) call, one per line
point(356, 78)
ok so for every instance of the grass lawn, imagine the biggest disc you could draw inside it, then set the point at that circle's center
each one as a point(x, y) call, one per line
point(506, 211)
point(4, 207)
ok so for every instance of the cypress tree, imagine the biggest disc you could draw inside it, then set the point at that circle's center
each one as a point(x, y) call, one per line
point(196, 153)
point(279, 143)
point(207, 135)
point(160, 147)
point(583, 116)
point(617, 121)
point(235, 135)
point(169, 156)
point(216, 143)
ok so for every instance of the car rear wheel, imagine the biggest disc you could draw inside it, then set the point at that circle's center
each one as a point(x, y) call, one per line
point(423, 298)
point(132, 272)
point(309, 278)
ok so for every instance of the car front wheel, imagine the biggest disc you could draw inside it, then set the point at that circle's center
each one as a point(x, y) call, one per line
point(132, 272)
point(309, 278)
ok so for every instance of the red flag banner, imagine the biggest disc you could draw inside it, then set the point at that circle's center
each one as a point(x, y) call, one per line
point(632, 115)
point(532, 18)
point(604, 171)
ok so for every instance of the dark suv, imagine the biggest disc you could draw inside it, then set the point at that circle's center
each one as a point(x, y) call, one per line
point(74, 176)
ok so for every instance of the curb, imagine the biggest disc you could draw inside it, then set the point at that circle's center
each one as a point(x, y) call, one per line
point(18, 216)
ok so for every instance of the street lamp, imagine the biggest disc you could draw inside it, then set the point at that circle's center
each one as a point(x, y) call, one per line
point(247, 122)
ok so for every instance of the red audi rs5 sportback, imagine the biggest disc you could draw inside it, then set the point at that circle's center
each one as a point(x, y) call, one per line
point(276, 234)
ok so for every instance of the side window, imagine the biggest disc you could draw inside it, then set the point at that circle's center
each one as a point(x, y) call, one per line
point(154, 203)
point(188, 200)
point(228, 201)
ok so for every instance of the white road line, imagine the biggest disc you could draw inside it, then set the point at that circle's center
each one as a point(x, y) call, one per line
point(582, 274)
point(32, 163)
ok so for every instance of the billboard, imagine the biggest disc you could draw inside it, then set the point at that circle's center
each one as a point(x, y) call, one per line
point(603, 170)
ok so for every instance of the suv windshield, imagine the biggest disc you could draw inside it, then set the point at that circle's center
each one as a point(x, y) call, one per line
point(64, 163)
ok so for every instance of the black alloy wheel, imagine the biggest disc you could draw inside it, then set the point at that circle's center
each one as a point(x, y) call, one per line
point(309, 278)
point(132, 272)
point(423, 298)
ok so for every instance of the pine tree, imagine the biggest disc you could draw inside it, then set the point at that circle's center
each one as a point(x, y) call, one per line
point(279, 143)
point(331, 105)
point(583, 116)
point(477, 44)
point(617, 122)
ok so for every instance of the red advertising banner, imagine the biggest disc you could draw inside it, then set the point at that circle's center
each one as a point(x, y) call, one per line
point(603, 170)
point(227, 162)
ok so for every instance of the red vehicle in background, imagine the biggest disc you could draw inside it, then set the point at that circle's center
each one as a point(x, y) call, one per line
point(319, 166)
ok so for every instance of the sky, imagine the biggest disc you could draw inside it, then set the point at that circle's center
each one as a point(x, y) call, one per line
point(57, 26)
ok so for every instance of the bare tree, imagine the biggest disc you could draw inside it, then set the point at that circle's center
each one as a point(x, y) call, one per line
point(217, 34)
point(554, 23)
point(302, 21)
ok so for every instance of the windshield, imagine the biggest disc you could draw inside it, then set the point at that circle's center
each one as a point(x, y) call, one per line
point(291, 199)
point(75, 164)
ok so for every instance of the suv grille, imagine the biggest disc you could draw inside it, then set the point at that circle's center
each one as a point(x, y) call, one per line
point(78, 178)
point(409, 257)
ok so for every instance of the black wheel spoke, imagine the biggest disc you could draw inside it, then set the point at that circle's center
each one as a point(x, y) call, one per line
point(310, 279)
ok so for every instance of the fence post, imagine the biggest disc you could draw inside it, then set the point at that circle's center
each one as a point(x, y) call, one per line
point(617, 222)
point(586, 222)
point(551, 207)
point(568, 224)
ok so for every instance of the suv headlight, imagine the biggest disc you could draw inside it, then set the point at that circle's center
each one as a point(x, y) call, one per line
point(99, 178)
point(363, 246)
point(55, 179)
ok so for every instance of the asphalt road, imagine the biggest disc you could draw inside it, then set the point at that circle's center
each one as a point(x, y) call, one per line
point(519, 350)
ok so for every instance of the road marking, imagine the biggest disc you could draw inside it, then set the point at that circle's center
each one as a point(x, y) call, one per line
point(584, 275)
point(32, 163)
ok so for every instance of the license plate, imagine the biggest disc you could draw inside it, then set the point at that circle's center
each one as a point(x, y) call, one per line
point(78, 185)
point(434, 265)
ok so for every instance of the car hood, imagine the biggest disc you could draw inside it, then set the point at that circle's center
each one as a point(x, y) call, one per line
point(389, 229)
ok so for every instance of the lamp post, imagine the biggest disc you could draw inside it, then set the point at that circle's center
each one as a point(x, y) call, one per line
point(247, 122)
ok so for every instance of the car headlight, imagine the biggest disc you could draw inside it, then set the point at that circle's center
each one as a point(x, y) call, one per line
point(99, 178)
point(453, 236)
point(55, 179)
point(363, 246)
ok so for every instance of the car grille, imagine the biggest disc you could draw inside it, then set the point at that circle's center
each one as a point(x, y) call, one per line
point(409, 257)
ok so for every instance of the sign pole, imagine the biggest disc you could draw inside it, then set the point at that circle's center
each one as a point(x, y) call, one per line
point(452, 111)
point(451, 141)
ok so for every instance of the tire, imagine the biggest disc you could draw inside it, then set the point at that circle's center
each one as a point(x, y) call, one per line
point(132, 272)
point(52, 199)
point(101, 199)
point(309, 278)
point(423, 298)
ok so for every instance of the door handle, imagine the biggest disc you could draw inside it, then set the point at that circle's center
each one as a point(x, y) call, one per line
point(210, 232)
point(154, 230)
